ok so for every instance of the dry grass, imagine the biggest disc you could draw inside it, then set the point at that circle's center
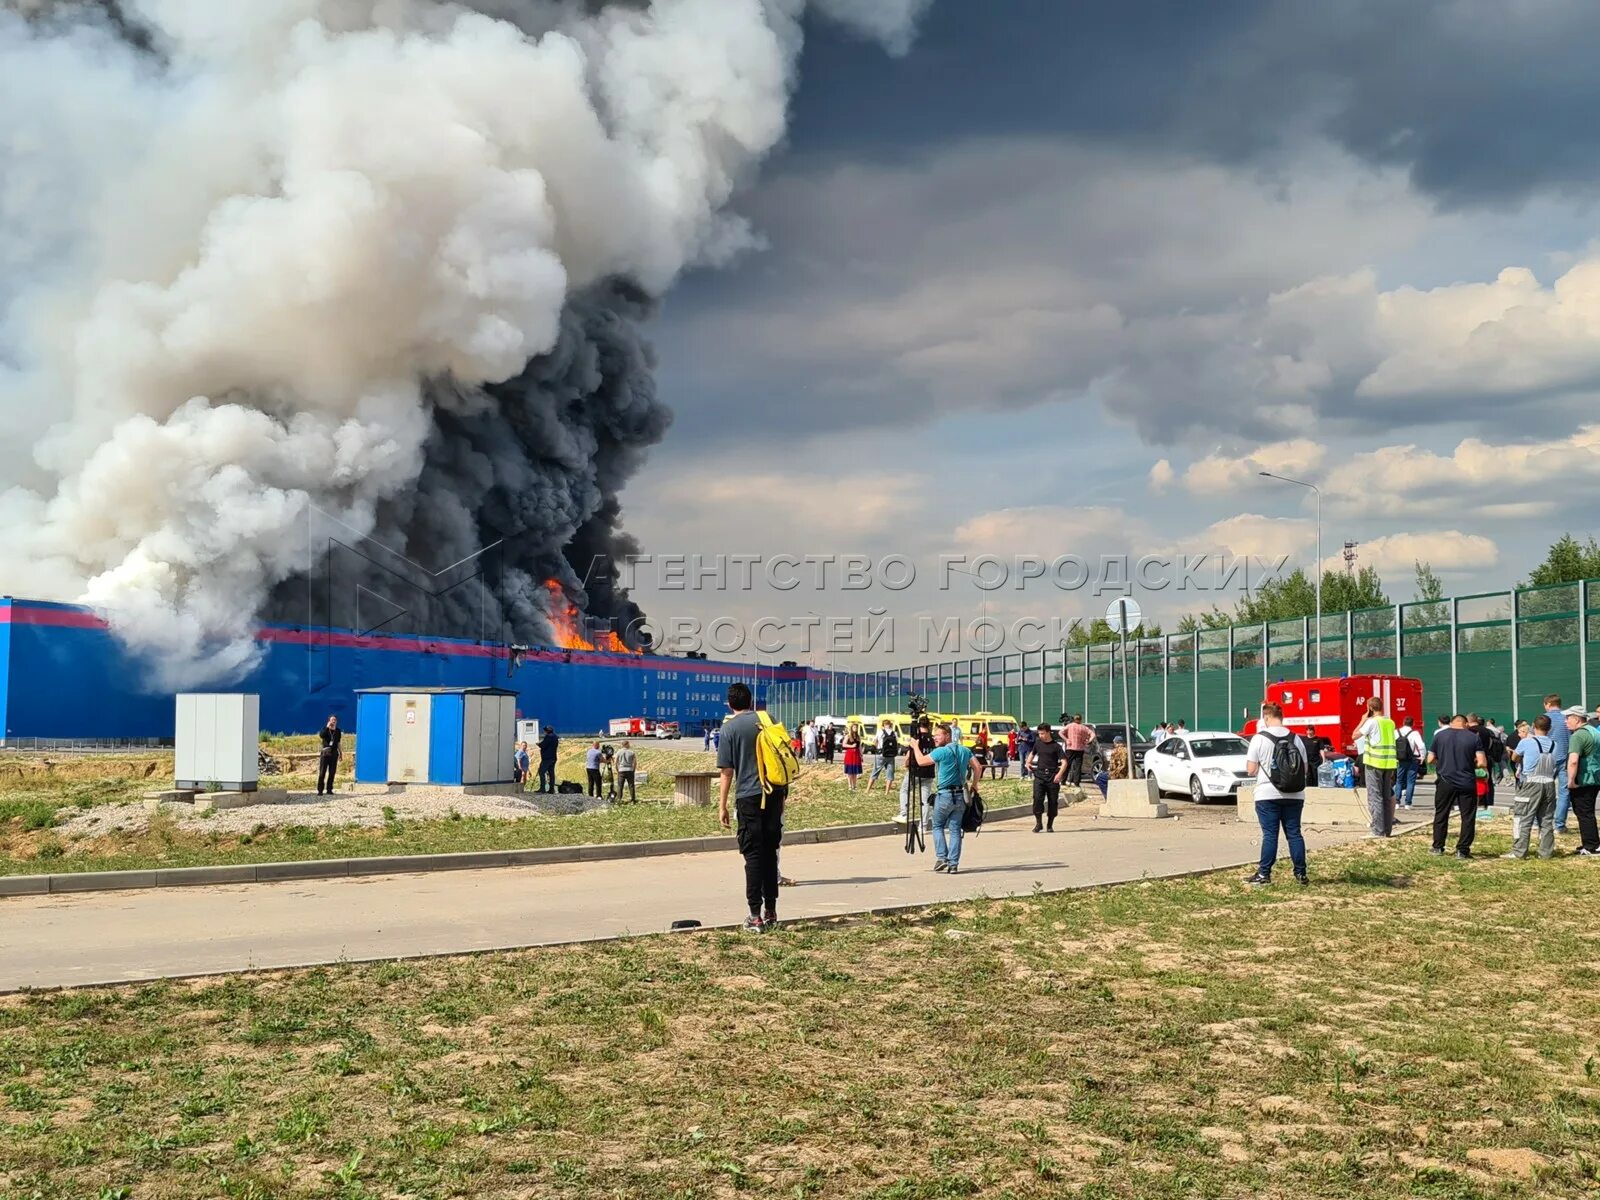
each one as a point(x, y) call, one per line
point(41, 792)
point(1409, 1027)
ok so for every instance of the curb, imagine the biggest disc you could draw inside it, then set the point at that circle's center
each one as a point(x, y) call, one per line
point(409, 864)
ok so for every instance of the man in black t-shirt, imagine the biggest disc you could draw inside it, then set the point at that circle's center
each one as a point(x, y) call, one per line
point(1456, 755)
point(1047, 764)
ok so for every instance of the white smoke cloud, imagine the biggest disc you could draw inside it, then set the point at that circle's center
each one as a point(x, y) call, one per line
point(233, 255)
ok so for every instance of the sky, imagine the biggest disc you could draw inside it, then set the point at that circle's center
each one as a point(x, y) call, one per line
point(1062, 278)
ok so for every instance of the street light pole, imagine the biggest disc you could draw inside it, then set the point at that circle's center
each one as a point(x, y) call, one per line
point(1318, 565)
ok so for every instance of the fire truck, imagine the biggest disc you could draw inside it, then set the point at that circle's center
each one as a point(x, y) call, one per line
point(1330, 709)
point(643, 727)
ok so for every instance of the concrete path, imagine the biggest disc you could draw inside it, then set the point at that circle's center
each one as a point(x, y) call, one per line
point(111, 937)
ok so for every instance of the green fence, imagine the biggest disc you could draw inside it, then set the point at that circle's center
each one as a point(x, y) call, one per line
point(1496, 653)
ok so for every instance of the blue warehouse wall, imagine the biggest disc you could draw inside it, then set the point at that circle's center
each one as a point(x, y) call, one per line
point(66, 676)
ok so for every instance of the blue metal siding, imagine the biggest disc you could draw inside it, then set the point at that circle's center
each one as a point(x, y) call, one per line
point(444, 739)
point(67, 676)
point(372, 739)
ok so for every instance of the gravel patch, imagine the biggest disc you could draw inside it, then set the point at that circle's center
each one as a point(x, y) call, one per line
point(358, 805)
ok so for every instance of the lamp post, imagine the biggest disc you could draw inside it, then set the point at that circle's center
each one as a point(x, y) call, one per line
point(984, 603)
point(1318, 566)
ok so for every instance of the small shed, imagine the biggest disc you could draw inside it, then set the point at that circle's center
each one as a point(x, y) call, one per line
point(445, 735)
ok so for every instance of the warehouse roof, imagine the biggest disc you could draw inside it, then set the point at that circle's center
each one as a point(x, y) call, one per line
point(436, 691)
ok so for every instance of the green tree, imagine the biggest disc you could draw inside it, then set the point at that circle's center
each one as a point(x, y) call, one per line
point(1568, 561)
point(1429, 609)
point(1294, 596)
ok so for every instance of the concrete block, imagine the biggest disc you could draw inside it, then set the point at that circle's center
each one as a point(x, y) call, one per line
point(245, 799)
point(175, 795)
point(205, 807)
point(102, 881)
point(394, 864)
point(24, 885)
point(469, 860)
point(205, 876)
point(1133, 798)
point(490, 789)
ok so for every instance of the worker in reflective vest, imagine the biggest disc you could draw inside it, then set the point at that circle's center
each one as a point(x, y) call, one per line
point(1377, 734)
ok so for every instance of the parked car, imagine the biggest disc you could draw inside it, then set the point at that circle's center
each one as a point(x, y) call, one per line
point(1203, 764)
point(1103, 736)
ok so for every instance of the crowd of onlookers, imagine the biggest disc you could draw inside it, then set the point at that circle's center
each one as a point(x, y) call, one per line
point(1552, 761)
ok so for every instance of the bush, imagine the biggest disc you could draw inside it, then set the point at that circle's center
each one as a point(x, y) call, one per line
point(50, 848)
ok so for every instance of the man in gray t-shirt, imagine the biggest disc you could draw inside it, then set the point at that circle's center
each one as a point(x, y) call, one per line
point(760, 813)
point(1276, 807)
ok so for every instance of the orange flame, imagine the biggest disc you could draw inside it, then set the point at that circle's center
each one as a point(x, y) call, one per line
point(567, 622)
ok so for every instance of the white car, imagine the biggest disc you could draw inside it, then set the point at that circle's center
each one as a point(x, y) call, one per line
point(1204, 765)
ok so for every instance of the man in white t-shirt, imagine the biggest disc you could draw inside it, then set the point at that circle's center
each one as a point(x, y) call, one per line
point(1278, 806)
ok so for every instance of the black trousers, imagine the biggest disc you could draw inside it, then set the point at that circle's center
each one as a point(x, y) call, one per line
point(327, 766)
point(625, 780)
point(1445, 796)
point(760, 835)
point(1074, 767)
point(1046, 799)
point(594, 781)
point(1582, 802)
point(547, 775)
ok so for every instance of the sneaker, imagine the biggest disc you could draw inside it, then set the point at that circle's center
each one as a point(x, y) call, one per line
point(769, 922)
point(1436, 851)
point(1038, 828)
point(941, 865)
point(1582, 852)
point(1513, 855)
point(1464, 855)
point(1302, 880)
point(1258, 879)
point(752, 924)
point(950, 869)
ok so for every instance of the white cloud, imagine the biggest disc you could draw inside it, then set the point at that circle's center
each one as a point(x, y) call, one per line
point(1445, 550)
point(1223, 472)
point(1162, 475)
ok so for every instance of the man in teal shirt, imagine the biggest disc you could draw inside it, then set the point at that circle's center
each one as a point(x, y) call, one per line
point(956, 767)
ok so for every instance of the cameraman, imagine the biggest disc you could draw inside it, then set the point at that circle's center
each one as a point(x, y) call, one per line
point(918, 776)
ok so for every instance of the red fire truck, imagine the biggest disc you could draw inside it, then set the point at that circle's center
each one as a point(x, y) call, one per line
point(643, 727)
point(1330, 709)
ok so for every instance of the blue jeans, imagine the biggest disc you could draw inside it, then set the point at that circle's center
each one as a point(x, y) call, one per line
point(1405, 782)
point(885, 767)
point(1271, 814)
point(1563, 800)
point(948, 807)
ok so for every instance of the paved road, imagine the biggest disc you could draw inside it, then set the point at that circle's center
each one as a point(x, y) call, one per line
point(106, 937)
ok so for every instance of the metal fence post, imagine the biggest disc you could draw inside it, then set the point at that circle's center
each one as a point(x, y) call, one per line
point(1455, 616)
point(1583, 642)
point(1516, 601)
point(1349, 642)
point(1399, 637)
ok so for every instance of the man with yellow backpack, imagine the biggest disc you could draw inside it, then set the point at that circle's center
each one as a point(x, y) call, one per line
point(758, 763)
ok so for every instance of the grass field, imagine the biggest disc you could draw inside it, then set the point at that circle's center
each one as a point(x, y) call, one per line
point(1408, 1027)
point(32, 801)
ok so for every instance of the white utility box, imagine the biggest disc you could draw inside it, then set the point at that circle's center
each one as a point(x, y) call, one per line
point(217, 741)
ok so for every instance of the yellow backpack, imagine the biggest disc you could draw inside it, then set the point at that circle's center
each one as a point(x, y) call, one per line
point(775, 758)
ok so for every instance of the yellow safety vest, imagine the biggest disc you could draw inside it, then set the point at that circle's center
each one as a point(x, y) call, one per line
point(1380, 750)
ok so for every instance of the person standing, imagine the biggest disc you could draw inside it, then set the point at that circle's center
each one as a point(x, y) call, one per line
point(1076, 738)
point(705, 728)
point(1583, 778)
point(1047, 764)
point(591, 765)
point(627, 767)
point(760, 812)
point(1409, 751)
point(918, 782)
point(852, 757)
point(1280, 763)
point(999, 757)
point(1562, 735)
point(1457, 754)
point(328, 757)
point(954, 763)
point(547, 761)
point(1535, 760)
point(1486, 743)
point(520, 766)
point(808, 742)
point(1376, 736)
point(888, 751)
